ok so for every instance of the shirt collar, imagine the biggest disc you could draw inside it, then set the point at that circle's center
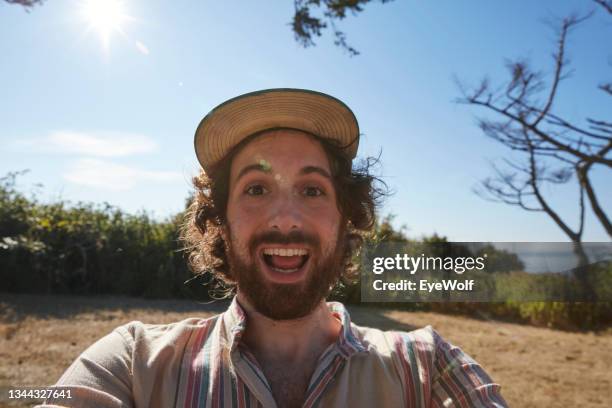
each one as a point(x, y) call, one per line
point(235, 320)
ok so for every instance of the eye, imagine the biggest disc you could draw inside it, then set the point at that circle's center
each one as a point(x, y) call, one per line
point(312, 191)
point(255, 190)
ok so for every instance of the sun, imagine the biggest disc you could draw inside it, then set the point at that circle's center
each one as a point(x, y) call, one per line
point(105, 17)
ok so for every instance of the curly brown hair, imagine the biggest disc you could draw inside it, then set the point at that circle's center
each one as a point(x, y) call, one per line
point(358, 195)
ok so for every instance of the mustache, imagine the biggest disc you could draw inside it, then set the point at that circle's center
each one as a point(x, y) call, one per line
point(277, 237)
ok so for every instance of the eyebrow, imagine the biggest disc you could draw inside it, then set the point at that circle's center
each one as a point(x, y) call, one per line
point(266, 169)
point(315, 169)
point(253, 167)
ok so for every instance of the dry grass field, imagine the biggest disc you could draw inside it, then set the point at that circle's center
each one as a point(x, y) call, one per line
point(537, 367)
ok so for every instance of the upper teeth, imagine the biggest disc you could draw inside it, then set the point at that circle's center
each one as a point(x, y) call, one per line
point(285, 251)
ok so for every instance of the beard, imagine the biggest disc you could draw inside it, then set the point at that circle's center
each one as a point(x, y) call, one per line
point(287, 301)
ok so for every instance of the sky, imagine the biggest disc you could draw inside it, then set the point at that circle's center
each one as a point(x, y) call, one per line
point(111, 118)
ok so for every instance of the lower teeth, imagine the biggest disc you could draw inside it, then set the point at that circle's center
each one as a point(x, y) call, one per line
point(285, 270)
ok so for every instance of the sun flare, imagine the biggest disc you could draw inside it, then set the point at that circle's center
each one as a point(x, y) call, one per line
point(105, 17)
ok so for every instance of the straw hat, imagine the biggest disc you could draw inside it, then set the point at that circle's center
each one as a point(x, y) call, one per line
point(313, 112)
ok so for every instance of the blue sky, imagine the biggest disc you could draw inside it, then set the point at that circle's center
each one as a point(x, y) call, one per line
point(116, 123)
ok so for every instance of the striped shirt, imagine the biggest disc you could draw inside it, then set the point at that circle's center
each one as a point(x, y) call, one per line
point(203, 363)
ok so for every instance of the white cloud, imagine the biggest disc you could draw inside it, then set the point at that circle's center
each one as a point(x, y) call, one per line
point(97, 144)
point(111, 176)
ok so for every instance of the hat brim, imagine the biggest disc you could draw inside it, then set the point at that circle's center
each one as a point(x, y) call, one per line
point(238, 118)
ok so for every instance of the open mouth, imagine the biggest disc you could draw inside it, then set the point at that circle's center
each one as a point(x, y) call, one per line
point(285, 260)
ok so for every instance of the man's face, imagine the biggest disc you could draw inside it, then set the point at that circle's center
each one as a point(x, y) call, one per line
point(283, 223)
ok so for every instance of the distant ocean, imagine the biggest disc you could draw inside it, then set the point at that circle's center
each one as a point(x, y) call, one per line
point(543, 257)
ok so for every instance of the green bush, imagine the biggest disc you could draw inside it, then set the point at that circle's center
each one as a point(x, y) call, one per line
point(99, 249)
point(86, 249)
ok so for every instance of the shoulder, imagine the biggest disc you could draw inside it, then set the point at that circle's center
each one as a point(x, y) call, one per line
point(425, 343)
point(432, 368)
point(127, 359)
point(121, 350)
point(139, 334)
point(426, 339)
point(411, 355)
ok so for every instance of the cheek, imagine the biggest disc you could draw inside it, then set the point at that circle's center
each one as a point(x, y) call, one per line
point(238, 242)
point(242, 224)
point(238, 215)
point(238, 229)
point(241, 211)
point(327, 223)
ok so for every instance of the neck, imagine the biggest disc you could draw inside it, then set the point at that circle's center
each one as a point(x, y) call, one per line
point(289, 340)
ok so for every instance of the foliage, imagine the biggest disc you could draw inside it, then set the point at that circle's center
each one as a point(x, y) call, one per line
point(306, 26)
point(25, 3)
point(499, 260)
point(98, 249)
point(567, 315)
point(84, 248)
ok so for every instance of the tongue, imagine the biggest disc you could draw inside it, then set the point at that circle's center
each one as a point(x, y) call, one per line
point(286, 262)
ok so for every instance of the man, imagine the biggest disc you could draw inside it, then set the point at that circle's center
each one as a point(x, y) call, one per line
point(277, 215)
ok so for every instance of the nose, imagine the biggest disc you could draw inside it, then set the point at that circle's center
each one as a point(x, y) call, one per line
point(285, 214)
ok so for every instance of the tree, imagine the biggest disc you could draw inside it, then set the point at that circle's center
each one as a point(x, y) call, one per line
point(25, 3)
point(555, 149)
point(306, 27)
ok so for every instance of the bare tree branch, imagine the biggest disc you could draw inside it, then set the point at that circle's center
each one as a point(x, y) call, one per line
point(607, 88)
point(560, 62)
point(556, 120)
point(575, 236)
point(607, 5)
point(581, 213)
point(525, 125)
point(520, 120)
point(583, 175)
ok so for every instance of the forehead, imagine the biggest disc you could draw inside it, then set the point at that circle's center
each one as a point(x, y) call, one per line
point(281, 150)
